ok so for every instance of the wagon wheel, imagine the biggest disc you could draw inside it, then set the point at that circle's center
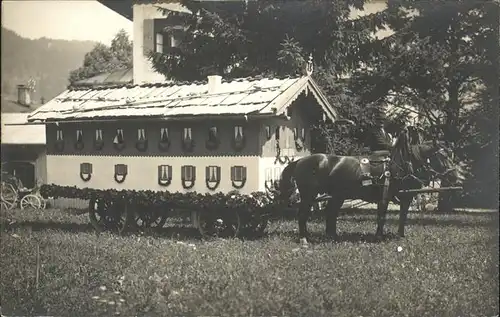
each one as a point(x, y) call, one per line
point(8, 196)
point(109, 215)
point(256, 224)
point(256, 228)
point(98, 209)
point(119, 216)
point(43, 202)
point(261, 224)
point(216, 224)
point(153, 217)
point(30, 201)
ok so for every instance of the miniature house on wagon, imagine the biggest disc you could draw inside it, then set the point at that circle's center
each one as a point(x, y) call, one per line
point(206, 137)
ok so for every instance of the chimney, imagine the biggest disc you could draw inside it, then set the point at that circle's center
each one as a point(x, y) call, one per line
point(214, 82)
point(23, 95)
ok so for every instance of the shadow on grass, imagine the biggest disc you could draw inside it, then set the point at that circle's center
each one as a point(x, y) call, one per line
point(176, 232)
point(49, 225)
point(170, 232)
point(179, 228)
point(436, 222)
point(370, 215)
point(356, 237)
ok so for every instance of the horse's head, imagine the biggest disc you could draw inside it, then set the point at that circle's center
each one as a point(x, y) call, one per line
point(442, 160)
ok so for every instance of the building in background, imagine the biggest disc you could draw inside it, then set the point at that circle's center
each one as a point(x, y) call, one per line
point(24, 103)
point(117, 77)
point(23, 149)
point(149, 23)
point(23, 144)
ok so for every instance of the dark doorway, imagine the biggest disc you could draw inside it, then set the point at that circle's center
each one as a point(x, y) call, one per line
point(24, 171)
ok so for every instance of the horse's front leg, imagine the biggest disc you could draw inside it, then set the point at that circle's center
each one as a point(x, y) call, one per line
point(404, 206)
point(332, 212)
point(381, 214)
point(304, 213)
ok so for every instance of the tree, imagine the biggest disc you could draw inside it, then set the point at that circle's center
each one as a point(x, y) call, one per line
point(272, 38)
point(103, 58)
point(264, 37)
point(442, 59)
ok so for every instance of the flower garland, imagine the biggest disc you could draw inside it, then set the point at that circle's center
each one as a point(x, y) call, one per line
point(252, 202)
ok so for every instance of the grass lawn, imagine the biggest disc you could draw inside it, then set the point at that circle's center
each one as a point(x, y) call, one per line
point(446, 266)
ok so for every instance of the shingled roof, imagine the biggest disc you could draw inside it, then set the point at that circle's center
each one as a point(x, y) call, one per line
point(117, 77)
point(244, 96)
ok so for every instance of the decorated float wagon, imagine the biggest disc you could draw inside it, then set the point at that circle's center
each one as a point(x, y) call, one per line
point(172, 145)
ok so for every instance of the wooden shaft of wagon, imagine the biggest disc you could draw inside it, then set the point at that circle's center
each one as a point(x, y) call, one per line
point(429, 190)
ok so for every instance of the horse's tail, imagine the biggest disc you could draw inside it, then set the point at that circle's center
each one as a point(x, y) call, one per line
point(287, 185)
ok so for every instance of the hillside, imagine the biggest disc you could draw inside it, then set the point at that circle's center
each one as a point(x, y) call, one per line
point(49, 61)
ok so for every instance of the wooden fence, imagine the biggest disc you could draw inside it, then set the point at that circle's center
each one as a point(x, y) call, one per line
point(67, 203)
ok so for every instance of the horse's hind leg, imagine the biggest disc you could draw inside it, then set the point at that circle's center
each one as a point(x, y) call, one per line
point(332, 212)
point(304, 213)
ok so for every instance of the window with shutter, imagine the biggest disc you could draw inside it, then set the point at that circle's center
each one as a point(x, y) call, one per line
point(164, 175)
point(79, 139)
point(142, 141)
point(98, 135)
point(174, 40)
point(141, 134)
point(299, 135)
point(238, 176)
point(212, 134)
point(164, 143)
point(268, 132)
point(239, 173)
point(59, 145)
point(287, 138)
point(164, 134)
point(212, 142)
point(167, 35)
point(268, 182)
point(79, 135)
point(212, 177)
point(119, 136)
point(86, 168)
point(59, 135)
point(277, 176)
point(159, 43)
point(121, 171)
point(187, 134)
point(119, 140)
point(85, 171)
point(239, 139)
point(98, 140)
point(187, 140)
point(148, 36)
point(188, 176)
point(277, 173)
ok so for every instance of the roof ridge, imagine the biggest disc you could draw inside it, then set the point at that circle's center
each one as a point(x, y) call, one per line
point(181, 83)
point(259, 95)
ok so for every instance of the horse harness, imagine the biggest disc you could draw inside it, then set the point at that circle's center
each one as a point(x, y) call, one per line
point(384, 157)
point(369, 178)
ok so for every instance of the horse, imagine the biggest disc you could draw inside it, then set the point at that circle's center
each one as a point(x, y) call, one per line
point(345, 177)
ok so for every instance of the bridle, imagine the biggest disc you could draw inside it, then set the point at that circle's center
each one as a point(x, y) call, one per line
point(425, 164)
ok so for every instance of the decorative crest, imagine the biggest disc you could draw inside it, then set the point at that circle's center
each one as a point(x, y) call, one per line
point(309, 65)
